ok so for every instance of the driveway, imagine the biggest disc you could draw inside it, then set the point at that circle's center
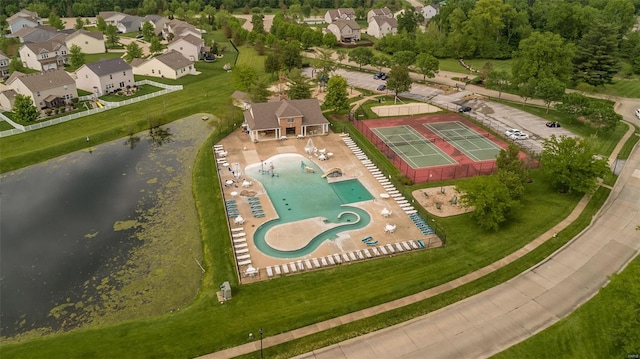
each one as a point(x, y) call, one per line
point(247, 25)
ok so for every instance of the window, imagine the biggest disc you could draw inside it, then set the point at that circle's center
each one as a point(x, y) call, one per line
point(291, 120)
point(86, 42)
point(65, 87)
point(124, 73)
point(110, 77)
point(38, 93)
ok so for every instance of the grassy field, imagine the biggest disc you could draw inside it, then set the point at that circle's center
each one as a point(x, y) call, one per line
point(4, 125)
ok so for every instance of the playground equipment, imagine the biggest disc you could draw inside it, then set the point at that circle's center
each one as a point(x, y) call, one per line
point(99, 104)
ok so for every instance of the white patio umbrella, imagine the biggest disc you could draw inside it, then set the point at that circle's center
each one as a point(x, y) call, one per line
point(385, 212)
point(390, 228)
point(246, 183)
point(251, 271)
point(238, 220)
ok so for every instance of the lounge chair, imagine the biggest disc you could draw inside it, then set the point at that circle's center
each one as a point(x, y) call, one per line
point(352, 256)
point(375, 251)
point(240, 240)
point(292, 267)
point(242, 251)
point(383, 250)
point(269, 272)
point(399, 247)
point(406, 246)
point(336, 256)
point(245, 262)
point(420, 243)
point(323, 261)
point(413, 244)
point(238, 235)
point(239, 229)
point(300, 266)
point(307, 263)
point(285, 269)
point(374, 243)
point(390, 248)
point(243, 257)
point(330, 260)
point(258, 215)
point(366, 253)
point(276, 268)
point(359, 254)
point(240, 246)
point(315, 262)
point(345, 257)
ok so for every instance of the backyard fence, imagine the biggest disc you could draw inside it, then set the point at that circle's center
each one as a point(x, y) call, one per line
point(107, 105)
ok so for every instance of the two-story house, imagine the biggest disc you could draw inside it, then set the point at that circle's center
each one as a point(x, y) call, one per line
point(105, 76)
point(173, 29)
point(23, 18)
point(46, 55)
point(35, 34)
point(4, 65)
point(345, 30)
point(171, 64)
point(275, 120)
point(190, 46)
point(339, 14)
point(429, 11)
point(47, 89)
point(89, 42)
point(381, 26)
point(379, 12)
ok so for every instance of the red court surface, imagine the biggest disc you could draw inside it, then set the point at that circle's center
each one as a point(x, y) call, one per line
point(465, 167)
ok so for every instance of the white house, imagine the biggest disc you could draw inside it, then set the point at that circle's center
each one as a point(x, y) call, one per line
point(379, 12)
point(173, 29)
point(23, 18)
point(190, 46)
point(381, 26)
point(46, 55)
point(89, 42)
point(339, 14)
point(345, 30)
point(4, 65)
point(172, 65)
point(105, 76)
point(430, 11)
point(47, 89)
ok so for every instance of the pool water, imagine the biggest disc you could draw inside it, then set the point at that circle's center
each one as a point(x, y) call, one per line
point(297, 191)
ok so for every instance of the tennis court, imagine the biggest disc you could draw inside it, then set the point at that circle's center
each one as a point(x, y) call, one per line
point(415, 149)
point(473, 144)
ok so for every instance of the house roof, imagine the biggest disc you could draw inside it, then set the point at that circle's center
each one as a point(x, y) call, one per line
point(192, 39)
point(3, 56)
point(339, 13)
point(382, 12)
point(110, 66)
point(9, 94)
point(380, 20)
point(341, 24)
point(50, 45)
point(172, 58)
point(95, 35)
point(45, 80)
point(153, 18)
point(36, 34)
point(264, 116)
point(241, 96)
point(137, 62)
point(131, 22)
point(23, 14)
point(111, 15)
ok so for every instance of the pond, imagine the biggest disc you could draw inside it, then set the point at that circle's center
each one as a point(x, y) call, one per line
point(86, 237)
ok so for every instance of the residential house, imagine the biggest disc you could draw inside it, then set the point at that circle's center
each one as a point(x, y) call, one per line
point(35, 34)
point(190, 46)
point(105, 76)
point(7, 97)
point(22, 19)
point(280, 119)
point(381, 26)
point(130, 23)
point(345, 30)
point(339, 14)
point(241, 99)
point(171, 65)
point(46, 55)
point(47, 89)
point(379, 12)
point(173, 29)
point(4, 65)
point(111, 17)
point(430, 11)
point(89, 42)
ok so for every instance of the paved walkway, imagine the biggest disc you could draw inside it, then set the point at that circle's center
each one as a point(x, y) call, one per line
point(517, 303)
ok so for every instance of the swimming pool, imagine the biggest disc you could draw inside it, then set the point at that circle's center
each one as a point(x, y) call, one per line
point(298, 192)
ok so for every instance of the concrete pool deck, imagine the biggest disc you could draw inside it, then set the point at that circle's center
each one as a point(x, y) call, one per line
point(242, 151)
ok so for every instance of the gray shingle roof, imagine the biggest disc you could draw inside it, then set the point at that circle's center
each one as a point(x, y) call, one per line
point(174, 59)
point(380, 20)
point(44, 80)
point(106, 67)
point(190, 39)
point(263, 116)
point(95, 35)
point(341, 24)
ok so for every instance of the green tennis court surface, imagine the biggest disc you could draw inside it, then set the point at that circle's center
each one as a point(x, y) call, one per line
point(471, 143)
point(415, 149)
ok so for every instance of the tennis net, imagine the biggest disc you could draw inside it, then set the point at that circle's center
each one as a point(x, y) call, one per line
point(463, 137)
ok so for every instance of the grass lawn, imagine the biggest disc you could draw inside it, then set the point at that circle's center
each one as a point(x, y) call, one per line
point(452, 65)
point(142, 90)
point(624, 88)
point(4, 126)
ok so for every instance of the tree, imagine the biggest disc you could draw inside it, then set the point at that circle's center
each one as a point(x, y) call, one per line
point(399, 80)
point(595, 61)
point(101, 25)
point(380, 61)
point(329, 40)
point(427, 65)
point(112, 36)
point(290, 56)
point(55, 21)
point(76, 57)
point(258, 91)
point(511, 171)
point(574, 104)
point(257, 20)
point(601, 115)
point(325, 63)
point(572, 164)
point(342, 55)
point(299, 85)
point(498, 80)
point(408, 20)
point(24, 109)
point(79, 24)
point(404, 58)
point(361, 56)
point(337, 97)
point(542, 55)
point(16, 65)
point(155, 46)
point(490, 198)
point(549, 90)
point(272, 63)
point(133, 51)
point(244, 76)
point(147, 31)
point(527, 90)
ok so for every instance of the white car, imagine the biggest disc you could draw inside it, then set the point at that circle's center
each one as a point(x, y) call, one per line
point(638, 113)
point(519, 136)
point(511, 131)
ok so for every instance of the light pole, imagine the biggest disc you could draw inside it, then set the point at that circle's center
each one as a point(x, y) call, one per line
point(251, 337)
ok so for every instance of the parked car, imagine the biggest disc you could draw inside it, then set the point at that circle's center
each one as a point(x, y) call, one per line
point(378, 76)
point(383, 77)
point(511, 131)
point(462, 109)
point(382, 87)
point(519, 136)
point(553, 124)
point(139, 36)
point(638, 113)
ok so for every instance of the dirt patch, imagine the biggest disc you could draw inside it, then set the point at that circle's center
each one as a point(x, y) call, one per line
point(441, 201)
